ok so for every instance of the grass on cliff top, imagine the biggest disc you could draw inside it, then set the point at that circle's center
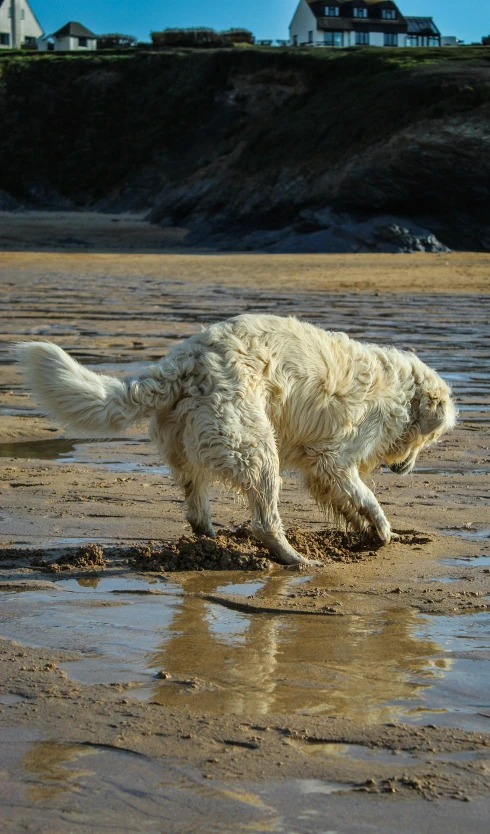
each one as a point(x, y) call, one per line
point(405, 56)
point(83, 123)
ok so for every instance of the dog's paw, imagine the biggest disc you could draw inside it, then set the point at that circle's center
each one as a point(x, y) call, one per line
point(383, 532)
point(308, 563)
point(304, 563)
point(203, 530)
point(376, 538)
point(315, 563)
point(297, 562)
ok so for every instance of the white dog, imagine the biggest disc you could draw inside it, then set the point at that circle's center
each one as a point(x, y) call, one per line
point(252, 395)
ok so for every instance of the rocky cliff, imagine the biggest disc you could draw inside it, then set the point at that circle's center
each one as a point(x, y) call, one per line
point(286, 150)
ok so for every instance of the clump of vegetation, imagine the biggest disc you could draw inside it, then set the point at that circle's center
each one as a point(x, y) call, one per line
point(238, 36)
point(115, 41)
point(201, 37)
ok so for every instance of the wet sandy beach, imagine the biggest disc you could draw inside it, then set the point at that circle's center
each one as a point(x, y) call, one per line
point(257, 699)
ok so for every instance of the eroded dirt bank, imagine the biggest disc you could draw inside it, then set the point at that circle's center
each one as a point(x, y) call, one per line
point(274, 697)
point(245, 149)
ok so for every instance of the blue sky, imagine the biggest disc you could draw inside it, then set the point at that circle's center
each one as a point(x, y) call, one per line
point(265, 18)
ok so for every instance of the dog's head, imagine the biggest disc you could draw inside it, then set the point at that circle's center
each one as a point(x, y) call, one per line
point(432, 413)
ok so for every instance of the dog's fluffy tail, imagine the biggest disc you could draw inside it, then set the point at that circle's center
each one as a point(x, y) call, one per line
point(91, 403)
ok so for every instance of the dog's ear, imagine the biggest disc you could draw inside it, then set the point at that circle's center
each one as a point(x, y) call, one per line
point(435, 414)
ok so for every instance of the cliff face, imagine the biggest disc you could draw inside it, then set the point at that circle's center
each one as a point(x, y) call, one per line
point(286, 149)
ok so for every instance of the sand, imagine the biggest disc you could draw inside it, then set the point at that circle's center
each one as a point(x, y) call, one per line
point(88, 510)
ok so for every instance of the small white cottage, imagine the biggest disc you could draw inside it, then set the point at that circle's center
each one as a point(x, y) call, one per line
point(19, 26)
point(72, 37)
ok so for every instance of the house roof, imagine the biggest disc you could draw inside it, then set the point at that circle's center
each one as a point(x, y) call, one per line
point(336, 23)
point(421, 26)
point(318, 8)
point(32, 12)
point(74, 29)
point(341, 2)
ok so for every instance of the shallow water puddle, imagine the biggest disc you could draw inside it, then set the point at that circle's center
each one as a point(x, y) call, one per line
point(445, 471)
point(115, 455)
point(382, 667)
point(357, 751)
point(463, 693)
point(469, 532)
point(72, 784)
point(468, 561)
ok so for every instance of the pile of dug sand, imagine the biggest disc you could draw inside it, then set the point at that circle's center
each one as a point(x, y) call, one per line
point(238, 550)
point(233, 549)
point(229, 550)
point(87, 556)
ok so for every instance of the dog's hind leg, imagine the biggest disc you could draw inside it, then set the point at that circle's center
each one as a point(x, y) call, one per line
point(198, 509)
point(193, 480)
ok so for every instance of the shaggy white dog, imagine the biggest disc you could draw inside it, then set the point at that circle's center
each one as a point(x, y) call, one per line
point(255, 394)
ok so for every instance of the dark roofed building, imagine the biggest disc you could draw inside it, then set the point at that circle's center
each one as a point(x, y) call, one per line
point(344, 23)
point(72, 37)
point(74, 30)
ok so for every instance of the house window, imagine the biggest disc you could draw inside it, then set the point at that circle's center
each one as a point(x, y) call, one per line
point(362, 38)
point(82, 41)
point(388, 14)
point(434, 41)
point(360, 12)
point(391, 40)
point(295, 40)
point(331, 11)
point(22, 14)
point(4, 38)
point(310, 36)
point(411, 40)
point(334, 38)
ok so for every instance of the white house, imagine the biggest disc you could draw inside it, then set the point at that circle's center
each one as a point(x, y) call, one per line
point(72, 37)
point(19, 26)
point(450, 40)
point(343, 23)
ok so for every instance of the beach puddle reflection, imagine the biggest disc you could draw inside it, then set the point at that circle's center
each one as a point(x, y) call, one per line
point(359, 752)
point(179, 649)
point(73, 784)
point(49, 766)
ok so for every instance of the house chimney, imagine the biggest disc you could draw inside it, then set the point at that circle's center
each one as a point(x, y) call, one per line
point(15, 35)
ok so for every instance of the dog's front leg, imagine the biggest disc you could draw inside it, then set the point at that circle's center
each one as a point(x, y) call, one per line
point(365, 504)
point(267, 528)
point(348, 496)
point(266, 522)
